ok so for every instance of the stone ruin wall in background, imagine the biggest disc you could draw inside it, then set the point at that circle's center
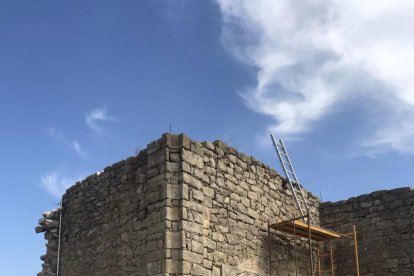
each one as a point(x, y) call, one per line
point(385, 226)
point(178, 208)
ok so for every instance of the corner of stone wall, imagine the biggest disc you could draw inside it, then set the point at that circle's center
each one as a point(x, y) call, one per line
point(164, 163)
point(193, 212)
point(179, 204)
point(173, 237)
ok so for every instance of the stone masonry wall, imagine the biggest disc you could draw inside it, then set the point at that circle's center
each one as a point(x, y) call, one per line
point(180, 207)
point(385, 231)
point(229, 198)
point(113, 223)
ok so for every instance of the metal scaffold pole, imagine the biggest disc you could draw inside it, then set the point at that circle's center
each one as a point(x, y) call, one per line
point(356, 249)
point(310, 243)
point(60, 231)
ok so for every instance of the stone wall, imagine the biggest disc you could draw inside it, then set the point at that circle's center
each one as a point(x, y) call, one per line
point(114, 222)
point(180, 207)
point(385, 231)
point(229, 198)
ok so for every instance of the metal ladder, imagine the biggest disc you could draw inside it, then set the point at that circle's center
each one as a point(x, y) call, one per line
point(294, 184)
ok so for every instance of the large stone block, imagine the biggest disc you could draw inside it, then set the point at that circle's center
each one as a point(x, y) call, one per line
point(174, 240)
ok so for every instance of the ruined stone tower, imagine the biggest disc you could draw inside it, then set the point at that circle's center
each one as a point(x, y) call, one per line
point(182, 207)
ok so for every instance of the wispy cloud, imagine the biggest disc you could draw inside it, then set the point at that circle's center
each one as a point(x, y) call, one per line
point(56, 134)
point(78, 149)
point(96, 116)
point(393, 132)
point(61, 138)
point(314, 57)
point(56, 184)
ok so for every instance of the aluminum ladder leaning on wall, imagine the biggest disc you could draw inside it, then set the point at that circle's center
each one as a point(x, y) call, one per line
point(295, 187)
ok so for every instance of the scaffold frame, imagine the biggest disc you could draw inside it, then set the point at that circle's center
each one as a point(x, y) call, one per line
point(315, 237)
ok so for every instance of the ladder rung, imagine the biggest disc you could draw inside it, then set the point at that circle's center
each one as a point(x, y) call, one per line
point(301, 195)
point(287, 163)
point(290, 172)
point(283, 153)
point(303, 201)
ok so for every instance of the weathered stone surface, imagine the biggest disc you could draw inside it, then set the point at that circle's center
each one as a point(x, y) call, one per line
point(384, 232)
point(113, 223)
point(49, 224)
point(40, 229)
point(174, 240)
point(181, 207)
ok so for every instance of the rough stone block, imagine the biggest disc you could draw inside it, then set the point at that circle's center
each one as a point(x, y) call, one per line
point(172, 213)
point(174, 240)
point(192, 257)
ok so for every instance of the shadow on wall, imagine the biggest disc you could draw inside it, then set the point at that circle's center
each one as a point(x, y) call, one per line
point(283, 258)
point(286, 258)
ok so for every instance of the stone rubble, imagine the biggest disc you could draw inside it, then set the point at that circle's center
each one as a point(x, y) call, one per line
point(49, 224)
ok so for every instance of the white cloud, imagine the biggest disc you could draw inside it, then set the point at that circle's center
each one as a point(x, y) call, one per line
point(395, 132)
point(56, 184)
point(61, 138)
point(314, 56)
point(78, 149)
point(96, 116)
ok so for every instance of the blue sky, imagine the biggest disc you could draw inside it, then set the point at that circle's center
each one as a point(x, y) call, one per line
point(84, 84)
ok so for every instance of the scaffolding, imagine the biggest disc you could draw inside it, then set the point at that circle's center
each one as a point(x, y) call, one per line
point(315, 237)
